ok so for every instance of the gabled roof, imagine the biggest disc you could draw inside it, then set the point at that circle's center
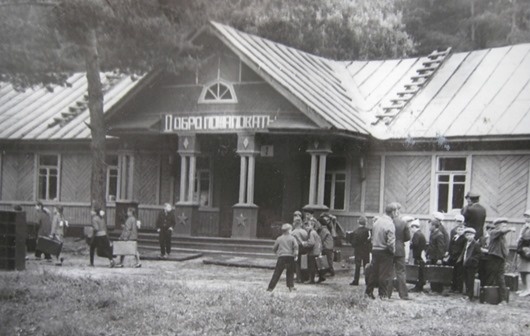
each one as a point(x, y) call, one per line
point(56, 112)
point(478, 94)
point(313, 84)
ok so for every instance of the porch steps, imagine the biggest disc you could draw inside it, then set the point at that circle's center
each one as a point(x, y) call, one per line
point(257, 248)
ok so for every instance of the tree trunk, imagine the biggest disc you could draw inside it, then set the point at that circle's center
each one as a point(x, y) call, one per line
point(97, 123)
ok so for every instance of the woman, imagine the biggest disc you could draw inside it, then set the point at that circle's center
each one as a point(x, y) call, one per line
point(524, 264)
point(58, 226)
point(100, 239)
point(130, 233)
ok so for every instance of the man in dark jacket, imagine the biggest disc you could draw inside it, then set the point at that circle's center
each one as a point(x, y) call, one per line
point(402, 236)
point(474, 214)
point(164, 224)
point(457, 242)
point(360, 241)
point(437, 247)
point(44, 227)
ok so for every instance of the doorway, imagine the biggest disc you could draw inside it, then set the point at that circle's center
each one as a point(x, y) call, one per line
point(268, 195)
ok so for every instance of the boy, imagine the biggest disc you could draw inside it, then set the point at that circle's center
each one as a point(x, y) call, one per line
point(361, 242)
point(498, 252)
point(418, 244)
point(470, 258)
point(286, 248)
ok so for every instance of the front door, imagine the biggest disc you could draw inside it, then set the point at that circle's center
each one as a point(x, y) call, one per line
point(268, 195)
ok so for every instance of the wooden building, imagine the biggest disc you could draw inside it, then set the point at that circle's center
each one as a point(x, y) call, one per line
point(260, 130)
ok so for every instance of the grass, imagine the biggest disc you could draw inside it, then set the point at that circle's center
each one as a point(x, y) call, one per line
point(190, 298)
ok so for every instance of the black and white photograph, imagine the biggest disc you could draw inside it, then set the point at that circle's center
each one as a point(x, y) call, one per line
point(264, 167)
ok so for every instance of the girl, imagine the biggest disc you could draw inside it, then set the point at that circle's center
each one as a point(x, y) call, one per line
point(100, 239)
point(59, 223)
point(130, 233)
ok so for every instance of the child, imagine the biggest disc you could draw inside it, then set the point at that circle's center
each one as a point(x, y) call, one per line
point(360, 241)
point(498, 252)
point(130, 233)
point(418, 243)
point(59, 223)
point(470, 258)
point(286, 248)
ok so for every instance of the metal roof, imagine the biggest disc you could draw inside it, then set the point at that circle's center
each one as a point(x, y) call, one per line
point(314, 84)
point(483, 93)
point(55, 112)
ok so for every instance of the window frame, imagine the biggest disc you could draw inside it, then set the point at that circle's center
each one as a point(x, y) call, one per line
point(218, 100)
point(451, 181)
point(332, 190)
point(208, 168)
point(125, 175)
point(38, 175)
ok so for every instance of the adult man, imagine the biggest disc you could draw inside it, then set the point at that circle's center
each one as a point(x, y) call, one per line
point(402, 236)
point(383, 249)
point(165, 223)
point(361, 242)
point(498, 252)
point(474, 214)
point(327, 241)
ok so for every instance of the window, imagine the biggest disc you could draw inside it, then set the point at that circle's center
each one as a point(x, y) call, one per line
point(218, 92)
point(335, 184)
point(119, 177)
point(451, 182)
point(203, 191)
point(48, 188)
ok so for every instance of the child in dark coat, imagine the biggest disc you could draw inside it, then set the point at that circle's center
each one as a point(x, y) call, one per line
point(470, 258)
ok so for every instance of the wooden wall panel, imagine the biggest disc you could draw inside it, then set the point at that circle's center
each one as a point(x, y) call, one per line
point(167, 175)
point(146, 178)
point(373, 182)
point(208, 224)
point(355, 185)
point(26, 177)
point(502, 183)
point(407, 181)
point(75, 177)
point(9, 176)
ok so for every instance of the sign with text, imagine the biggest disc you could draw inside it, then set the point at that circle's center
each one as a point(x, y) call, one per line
point(173, 123)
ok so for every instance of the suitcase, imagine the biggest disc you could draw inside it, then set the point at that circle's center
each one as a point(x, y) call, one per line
point(439, 274)
point(512, 281)
point(104, 249)
point(49, 246)
point(122, 247)
point(490, 294)
point(303, 262)
point(322, 263)
point(412, 273)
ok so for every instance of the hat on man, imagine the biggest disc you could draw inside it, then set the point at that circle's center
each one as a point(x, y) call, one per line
point(527, 213)
point(459, 218)
point(407, 218)
point(501, 220)
point(286, 227)
point(469, 230)
point(438, 215)
point(415, 223)
point(471, 194)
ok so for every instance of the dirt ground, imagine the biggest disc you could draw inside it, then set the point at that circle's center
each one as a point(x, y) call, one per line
point(425, 314)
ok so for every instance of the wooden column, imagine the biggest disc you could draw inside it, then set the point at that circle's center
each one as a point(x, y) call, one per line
point(186, 210)
point(242, 179)
point(313, 180)
point(183, 176)
point(319, 150)
point(321, 178)
point(250, 181)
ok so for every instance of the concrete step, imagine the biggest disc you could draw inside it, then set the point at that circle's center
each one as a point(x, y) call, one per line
point(212, 252)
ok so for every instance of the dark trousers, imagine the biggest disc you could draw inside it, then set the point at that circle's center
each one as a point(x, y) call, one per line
point(284, 262)
point(312, 265)
point(469, 279)
point(496, 275)
point(458, 277)
point(383, 269)
point(164, 238)
point(298, 268)
point(102, 243)
point(361, 260)
point(421, 273)
point(329, 256)
point(436, 287)
point(401, 277)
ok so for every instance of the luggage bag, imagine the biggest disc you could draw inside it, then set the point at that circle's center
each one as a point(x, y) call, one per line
point(49, 246)
point(512, 281)
point(303, 262)
point(122, 247)
point(439, 274)
point(412, 273)
point(322, 263)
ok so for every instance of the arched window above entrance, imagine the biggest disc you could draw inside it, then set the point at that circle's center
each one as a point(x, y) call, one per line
point(218, 92)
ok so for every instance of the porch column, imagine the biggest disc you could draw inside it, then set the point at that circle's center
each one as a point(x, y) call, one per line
point(319, 150)
point(186, 209)
point(245, 212)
